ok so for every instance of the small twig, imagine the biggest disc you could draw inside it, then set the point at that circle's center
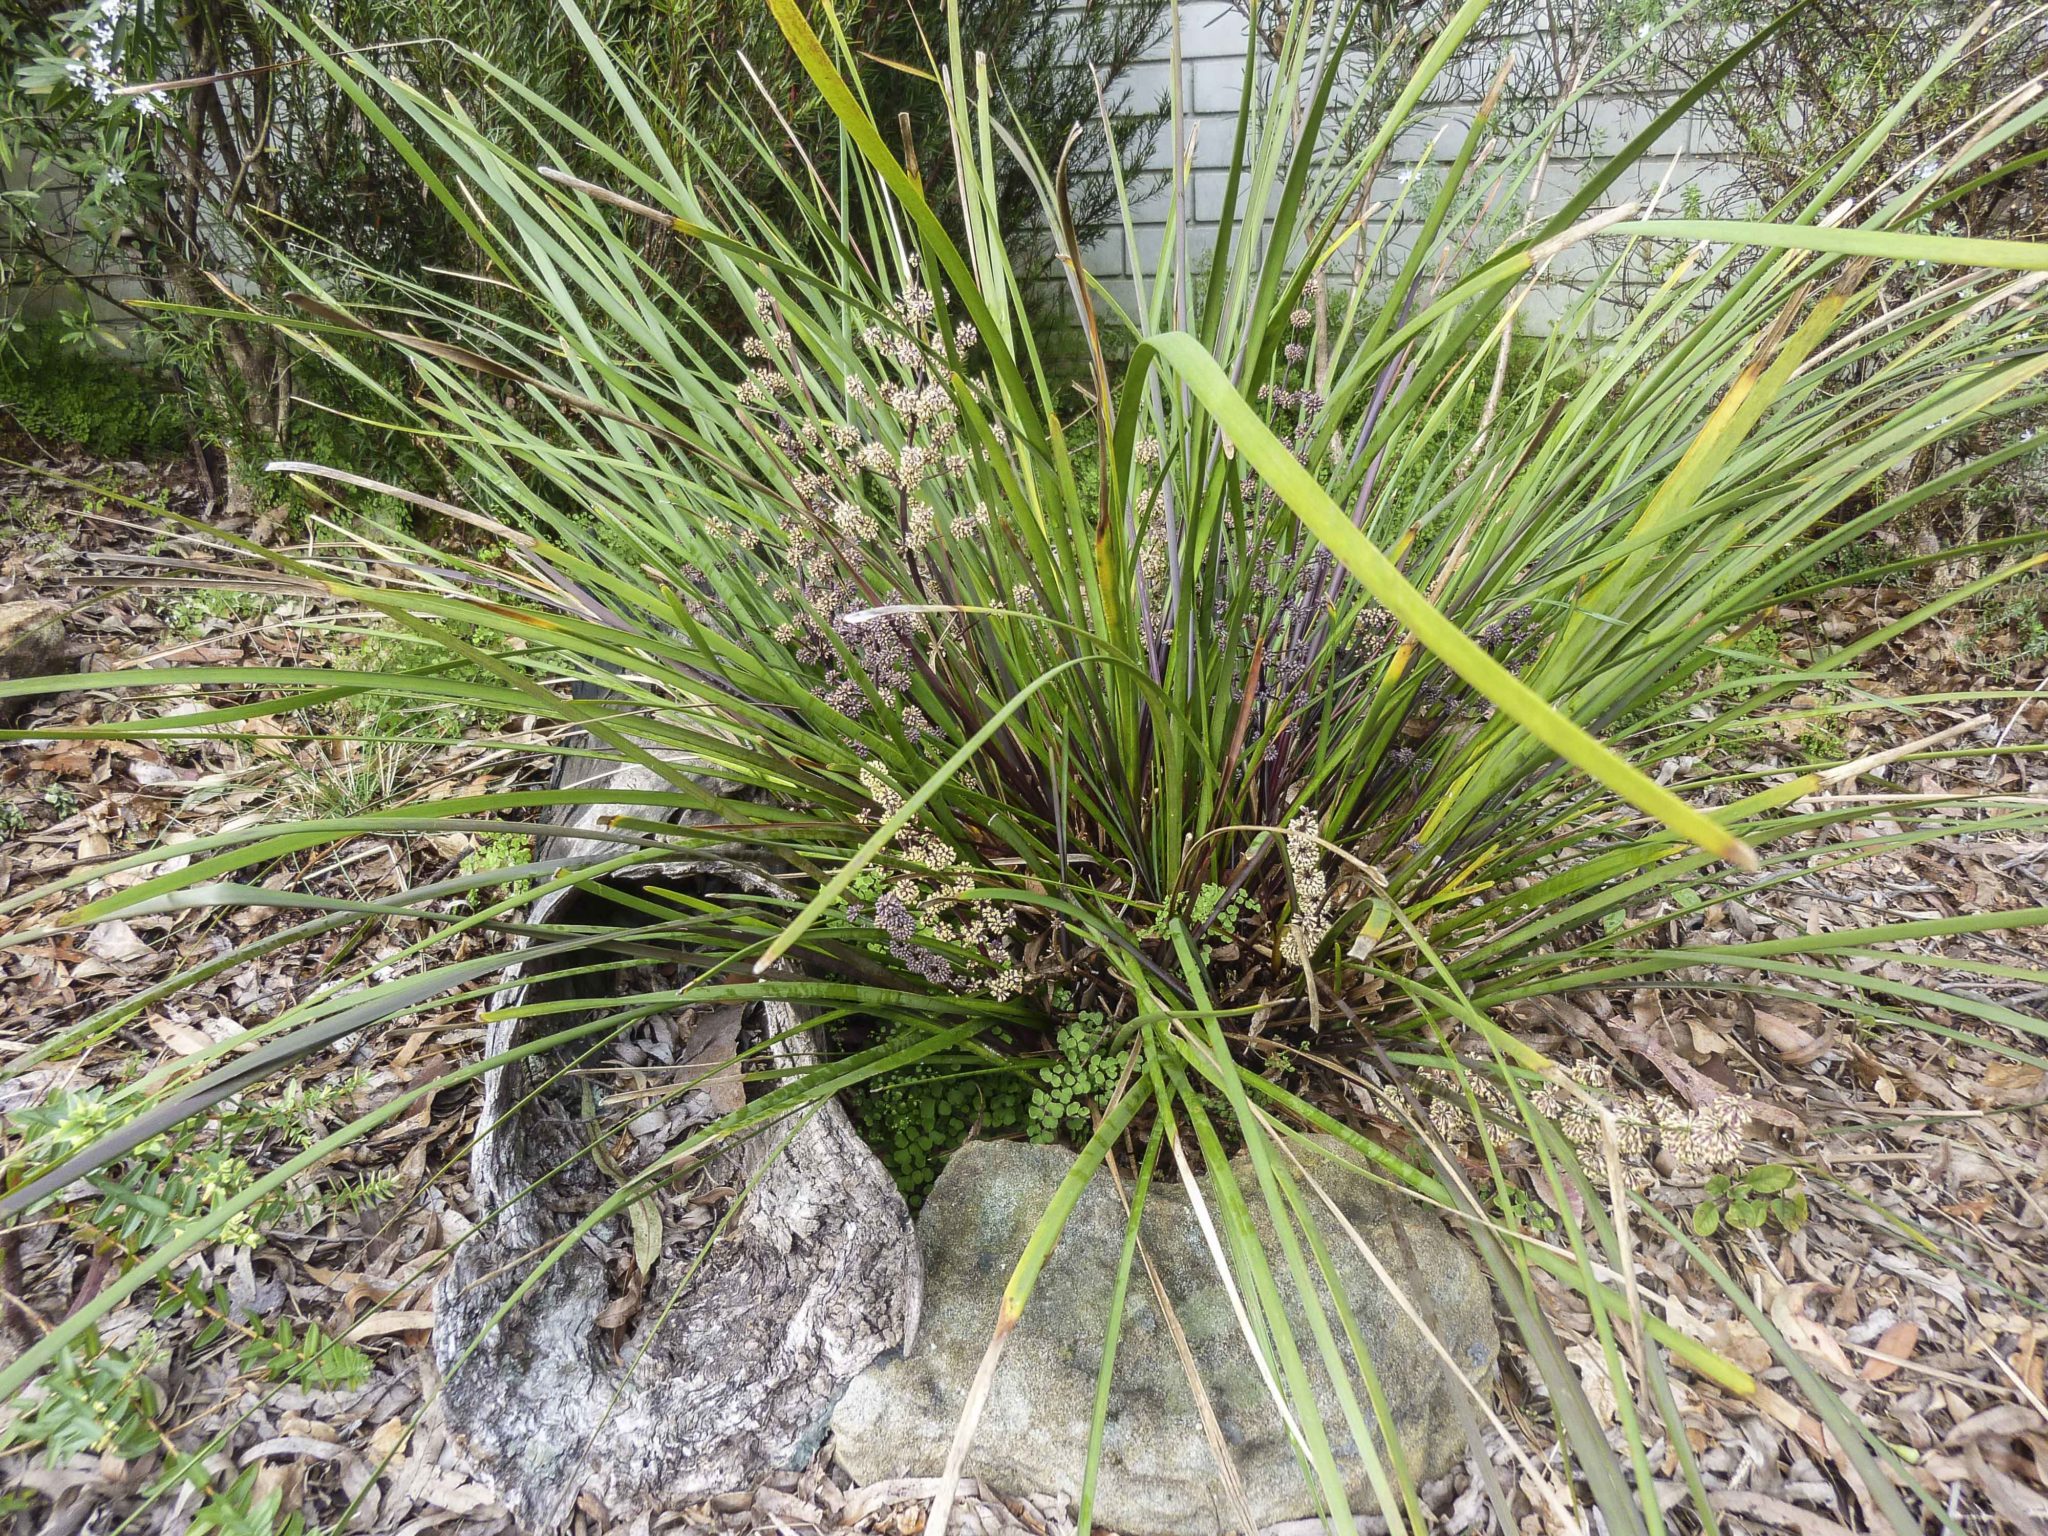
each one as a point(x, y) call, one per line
point(1849, 772)
point(1991, 762)
point(16, 1315)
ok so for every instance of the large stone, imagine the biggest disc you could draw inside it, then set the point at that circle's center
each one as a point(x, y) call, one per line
point(31, 645)
point(1158, 1476)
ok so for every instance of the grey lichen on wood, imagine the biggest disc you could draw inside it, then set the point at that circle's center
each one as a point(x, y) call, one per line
point(813, 1277)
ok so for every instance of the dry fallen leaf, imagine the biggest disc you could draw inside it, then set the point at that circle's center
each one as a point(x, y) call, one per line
point(2010, 1082)
point(1706, 1040)
point(1594, 1377)
point(1735, 1340)
point(386, 1438)
point(1775, 1513)
point(115, 942)
point(379, 1324)
point(1796, 1031)
point(2024, 1508)
point(1814, 1340)
point(2000, 1421)
point(1893, 1349)
point(1789, 1415)
point(181, 1038)
point(714, 1038)
point(444, 1490)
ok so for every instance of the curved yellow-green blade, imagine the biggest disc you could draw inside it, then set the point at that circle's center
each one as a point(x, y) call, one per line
point(1878, 244)
point(1295, 486)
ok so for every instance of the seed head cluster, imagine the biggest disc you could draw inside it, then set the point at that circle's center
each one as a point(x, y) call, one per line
point(1696, 1140)
point(922, 908)
point(874, 458)
point(1304, 855)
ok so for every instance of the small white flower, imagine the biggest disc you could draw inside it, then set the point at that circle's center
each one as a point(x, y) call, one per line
point(915, 464)
point(855, 522)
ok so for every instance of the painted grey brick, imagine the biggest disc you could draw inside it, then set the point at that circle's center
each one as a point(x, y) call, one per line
point(1209, 29)
point(1213, 39)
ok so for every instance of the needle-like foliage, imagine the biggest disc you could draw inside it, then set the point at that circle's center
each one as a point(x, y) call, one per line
point(1303, 686)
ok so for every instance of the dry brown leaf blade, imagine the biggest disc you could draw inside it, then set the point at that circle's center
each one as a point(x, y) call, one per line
point(1781, 1025)
point(1893, 1350)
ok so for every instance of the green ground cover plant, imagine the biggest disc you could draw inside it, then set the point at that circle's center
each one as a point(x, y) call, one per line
point(1301, 745)
point(61, 395)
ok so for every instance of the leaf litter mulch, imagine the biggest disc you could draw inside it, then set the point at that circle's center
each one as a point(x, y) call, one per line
point(1916, 1284)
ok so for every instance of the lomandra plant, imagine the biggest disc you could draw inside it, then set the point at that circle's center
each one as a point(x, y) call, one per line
point(1305, 690)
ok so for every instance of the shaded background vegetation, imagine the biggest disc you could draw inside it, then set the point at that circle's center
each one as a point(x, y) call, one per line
point(119, 203)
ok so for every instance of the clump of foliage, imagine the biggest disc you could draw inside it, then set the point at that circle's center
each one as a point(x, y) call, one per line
point(500, 850)
point(1300, 726)
point(74, 392)
point(916, 1116)
point(1910, 91)
point(92, 1398)
point(1831, 72)
point(1075, 1088)
point(164, 1186)
point(243, 1509)
point(98, 1398)
point(306, 1356)
point(1054, 69)
point(2024, 609)
point(192, 614)
point(134, 197)
point(168, 208)
point(1745, 1202)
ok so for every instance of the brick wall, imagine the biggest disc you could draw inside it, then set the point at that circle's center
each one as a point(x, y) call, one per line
point(1213, 37)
